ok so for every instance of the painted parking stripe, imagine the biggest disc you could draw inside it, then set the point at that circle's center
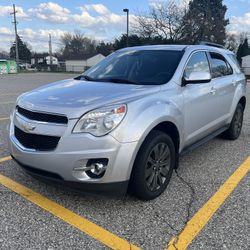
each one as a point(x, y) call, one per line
point(2, 103)
point(4, 118)
point(201, 218)
point(3, 159)
point(102, 235)
point(9, 94)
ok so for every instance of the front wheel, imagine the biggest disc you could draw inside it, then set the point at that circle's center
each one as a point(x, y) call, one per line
point(153, 166)
point(233, 132)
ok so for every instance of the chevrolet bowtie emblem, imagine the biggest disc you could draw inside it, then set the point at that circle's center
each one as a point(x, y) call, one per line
point(27, 127)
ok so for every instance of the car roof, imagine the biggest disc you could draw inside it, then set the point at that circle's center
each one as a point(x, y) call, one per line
point(178, 48)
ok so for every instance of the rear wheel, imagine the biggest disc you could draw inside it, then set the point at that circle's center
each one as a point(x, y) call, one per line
point(233, 132)
point(153, 166)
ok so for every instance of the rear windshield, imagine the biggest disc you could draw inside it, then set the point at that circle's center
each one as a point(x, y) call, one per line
point(144, 67)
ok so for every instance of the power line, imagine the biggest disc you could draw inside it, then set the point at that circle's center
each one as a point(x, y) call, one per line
point(16, 36)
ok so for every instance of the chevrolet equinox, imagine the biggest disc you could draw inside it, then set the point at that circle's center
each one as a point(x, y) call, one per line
point(124, 122)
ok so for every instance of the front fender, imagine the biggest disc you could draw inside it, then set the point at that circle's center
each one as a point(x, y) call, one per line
point(142, 117)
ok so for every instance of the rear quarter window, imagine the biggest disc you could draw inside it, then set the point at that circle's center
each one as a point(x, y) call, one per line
point(235, 63)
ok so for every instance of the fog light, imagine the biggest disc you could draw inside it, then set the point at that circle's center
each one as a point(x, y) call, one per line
point(97, 167)
point(93, 168)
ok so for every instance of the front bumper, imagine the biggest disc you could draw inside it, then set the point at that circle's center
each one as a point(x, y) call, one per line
point(72, 151)
point(114, 188)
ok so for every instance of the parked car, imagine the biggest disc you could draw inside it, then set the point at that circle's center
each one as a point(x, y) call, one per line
point(125, 122)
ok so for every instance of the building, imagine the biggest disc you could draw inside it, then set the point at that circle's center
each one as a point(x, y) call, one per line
point(36, 60)
point(54, 60)
point(43, 59)
point(246, 65)
point(8, 66)
point(82, 65)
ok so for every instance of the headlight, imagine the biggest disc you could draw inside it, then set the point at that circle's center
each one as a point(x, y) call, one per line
point(101, 121)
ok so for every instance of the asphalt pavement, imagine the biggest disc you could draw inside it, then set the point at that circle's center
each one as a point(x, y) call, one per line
point(148, 225)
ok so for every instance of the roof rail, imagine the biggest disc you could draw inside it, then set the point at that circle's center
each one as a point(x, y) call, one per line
point(212, 45)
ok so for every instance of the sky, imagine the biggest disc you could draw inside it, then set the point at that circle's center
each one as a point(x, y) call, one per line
point(99, 19)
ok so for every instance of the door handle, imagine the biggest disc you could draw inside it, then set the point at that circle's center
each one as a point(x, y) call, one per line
point(234, 83)
point(213, 91)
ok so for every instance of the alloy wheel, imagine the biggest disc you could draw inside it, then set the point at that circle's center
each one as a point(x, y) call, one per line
point(238, 121)
point(157, 166)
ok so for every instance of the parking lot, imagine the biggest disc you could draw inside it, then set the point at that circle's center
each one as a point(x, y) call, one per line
point(38, 215)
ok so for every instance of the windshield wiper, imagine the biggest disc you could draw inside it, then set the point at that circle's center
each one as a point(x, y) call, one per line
point(119, 80)
point(85, 77)
point(88, 78)
point(115, 80)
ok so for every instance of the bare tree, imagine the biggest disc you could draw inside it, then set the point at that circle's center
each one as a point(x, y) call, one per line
point(232, 42)
point(243, 36)
point(163, 20)
point(144, 26)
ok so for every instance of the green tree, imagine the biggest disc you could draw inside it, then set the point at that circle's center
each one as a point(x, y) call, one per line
point(23, 50)
point(121, 42)
point(136, 40)
point(204, 21)
point(243, 50)
point(77, 46)
point(104, 48)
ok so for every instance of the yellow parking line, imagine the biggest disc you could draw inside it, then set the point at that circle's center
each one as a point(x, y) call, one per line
point(7, 158)
point(201, 218)
point(4, 118)
point(102, 235)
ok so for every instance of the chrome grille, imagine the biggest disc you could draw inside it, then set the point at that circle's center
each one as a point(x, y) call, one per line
point(36, 142)
point(42, 117)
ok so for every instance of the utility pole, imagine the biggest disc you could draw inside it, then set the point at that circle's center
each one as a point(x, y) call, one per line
point(50, 52)
point(127, 11)
point(16, 43)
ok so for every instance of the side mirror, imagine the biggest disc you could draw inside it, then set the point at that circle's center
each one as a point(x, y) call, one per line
point(197, 77)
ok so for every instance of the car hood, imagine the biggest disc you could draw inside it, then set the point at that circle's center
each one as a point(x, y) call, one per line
point(76, 97)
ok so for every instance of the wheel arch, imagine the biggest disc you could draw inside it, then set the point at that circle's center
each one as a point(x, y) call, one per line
point(242, 101)
point(167, 127)
point(171, 130)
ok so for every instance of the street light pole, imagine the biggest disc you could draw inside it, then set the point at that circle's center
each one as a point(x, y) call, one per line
point(127, 11)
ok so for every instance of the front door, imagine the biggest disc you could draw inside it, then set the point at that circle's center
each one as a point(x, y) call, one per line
point(199, 101)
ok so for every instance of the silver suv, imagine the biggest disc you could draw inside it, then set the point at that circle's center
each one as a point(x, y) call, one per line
point(125, 121)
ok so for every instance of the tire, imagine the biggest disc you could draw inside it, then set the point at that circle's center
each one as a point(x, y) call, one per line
point(153, 166)
point(233, 132)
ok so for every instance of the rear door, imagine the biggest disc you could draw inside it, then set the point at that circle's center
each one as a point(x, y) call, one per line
point(224, 84)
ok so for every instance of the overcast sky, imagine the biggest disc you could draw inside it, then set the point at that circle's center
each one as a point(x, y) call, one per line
point(103, 19)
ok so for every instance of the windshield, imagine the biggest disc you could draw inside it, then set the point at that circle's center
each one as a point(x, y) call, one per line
point(144, 67)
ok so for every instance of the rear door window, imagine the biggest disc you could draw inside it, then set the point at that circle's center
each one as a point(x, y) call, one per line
point(219, 65)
